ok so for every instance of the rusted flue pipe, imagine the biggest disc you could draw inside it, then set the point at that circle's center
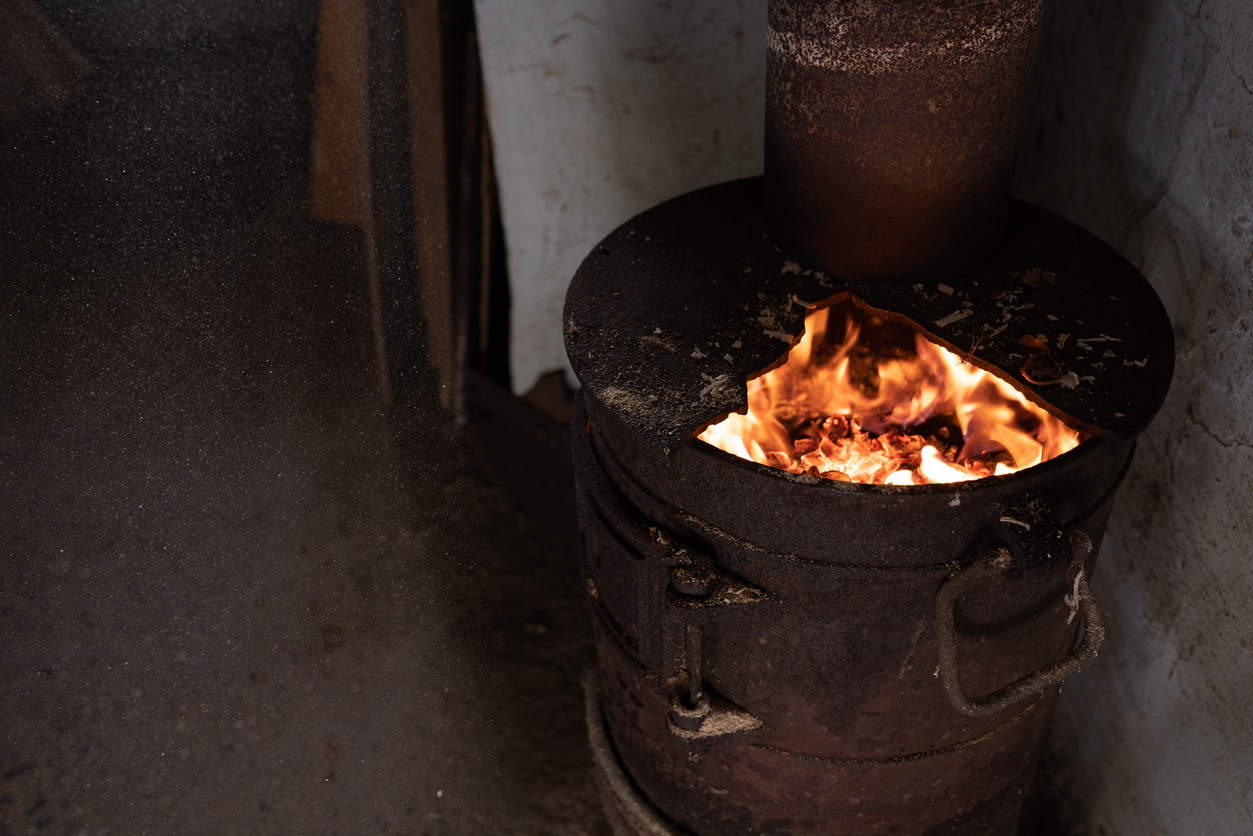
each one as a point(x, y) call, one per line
point(892, 130)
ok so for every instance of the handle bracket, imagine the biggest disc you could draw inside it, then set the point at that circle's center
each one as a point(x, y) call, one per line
point(1031, 684)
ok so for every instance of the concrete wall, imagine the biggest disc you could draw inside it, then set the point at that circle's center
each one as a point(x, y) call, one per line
point(600, 109)
point(1141, 129)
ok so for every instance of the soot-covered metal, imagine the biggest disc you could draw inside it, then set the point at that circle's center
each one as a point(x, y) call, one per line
point(839, 685)
point(780, 653)
point(892, 130)
point(692, 292)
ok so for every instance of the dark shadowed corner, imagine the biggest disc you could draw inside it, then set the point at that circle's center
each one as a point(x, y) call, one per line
point(237, 592)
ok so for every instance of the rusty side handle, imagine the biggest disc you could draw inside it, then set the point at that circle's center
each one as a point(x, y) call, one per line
point(1031, 684)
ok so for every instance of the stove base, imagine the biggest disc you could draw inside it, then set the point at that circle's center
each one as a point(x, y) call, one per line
point(629, 813)
point(626, 810)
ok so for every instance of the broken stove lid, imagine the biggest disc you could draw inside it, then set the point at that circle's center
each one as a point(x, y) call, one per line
point(669, 317)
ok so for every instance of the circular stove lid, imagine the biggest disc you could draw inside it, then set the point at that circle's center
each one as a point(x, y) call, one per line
point(669, 317)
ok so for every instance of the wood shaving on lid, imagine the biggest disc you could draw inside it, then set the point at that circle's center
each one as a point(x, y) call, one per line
point(955, 316)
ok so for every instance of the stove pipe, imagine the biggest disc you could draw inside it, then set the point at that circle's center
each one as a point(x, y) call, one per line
point(892, 130)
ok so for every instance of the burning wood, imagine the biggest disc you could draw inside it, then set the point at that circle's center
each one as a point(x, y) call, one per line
point(864, 400)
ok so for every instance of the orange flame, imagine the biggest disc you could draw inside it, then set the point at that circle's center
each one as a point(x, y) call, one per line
point(865, 400)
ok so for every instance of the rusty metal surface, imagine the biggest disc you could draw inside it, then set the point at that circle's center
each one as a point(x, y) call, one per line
point(892, 131)
point(1081, 602)
point(836, 656)
point(626, 811)
point(781, 513)
point(667, 319)
point(740, 789)
point(786, 654)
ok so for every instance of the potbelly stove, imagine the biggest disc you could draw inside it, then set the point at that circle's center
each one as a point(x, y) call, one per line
point(786, 653)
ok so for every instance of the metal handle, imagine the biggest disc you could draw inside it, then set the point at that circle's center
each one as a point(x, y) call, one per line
point(1031, 684)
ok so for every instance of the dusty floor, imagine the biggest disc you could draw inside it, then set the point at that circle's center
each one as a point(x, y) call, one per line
point(237, 595)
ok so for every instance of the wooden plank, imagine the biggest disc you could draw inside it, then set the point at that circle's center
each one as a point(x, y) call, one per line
point(339, 181)
point(381, 69)
point(392, 206)
point(427, 131)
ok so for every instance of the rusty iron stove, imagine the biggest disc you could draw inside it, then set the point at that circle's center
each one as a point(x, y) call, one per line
point(781, 653)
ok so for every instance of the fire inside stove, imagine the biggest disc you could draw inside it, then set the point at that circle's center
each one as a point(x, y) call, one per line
point(864, 399)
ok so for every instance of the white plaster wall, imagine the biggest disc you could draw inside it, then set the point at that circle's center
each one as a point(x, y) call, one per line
point(600, 109)
point(1141, 128)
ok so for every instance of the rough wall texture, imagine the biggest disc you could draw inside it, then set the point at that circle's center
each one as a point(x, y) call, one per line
point(1141, 128)
point(600, 109)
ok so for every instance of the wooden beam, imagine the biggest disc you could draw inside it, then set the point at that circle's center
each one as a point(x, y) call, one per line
point(339, 181)
point(427, 131)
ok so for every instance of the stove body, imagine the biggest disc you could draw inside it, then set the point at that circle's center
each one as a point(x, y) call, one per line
point(817, 637)
point(785, 654)
point(867, 659)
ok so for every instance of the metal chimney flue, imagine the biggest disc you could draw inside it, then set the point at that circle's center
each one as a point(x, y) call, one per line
point(892, 131)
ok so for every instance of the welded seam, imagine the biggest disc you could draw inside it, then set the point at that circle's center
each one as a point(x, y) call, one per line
point(624, 540)
point(916, 756)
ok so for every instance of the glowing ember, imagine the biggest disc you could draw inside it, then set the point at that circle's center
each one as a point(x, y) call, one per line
point(862, 399)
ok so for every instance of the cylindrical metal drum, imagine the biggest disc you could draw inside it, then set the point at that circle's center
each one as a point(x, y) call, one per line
point(843, 638)
point(892, 130)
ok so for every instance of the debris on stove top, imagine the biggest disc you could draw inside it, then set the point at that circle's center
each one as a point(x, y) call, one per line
point(670, 316)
